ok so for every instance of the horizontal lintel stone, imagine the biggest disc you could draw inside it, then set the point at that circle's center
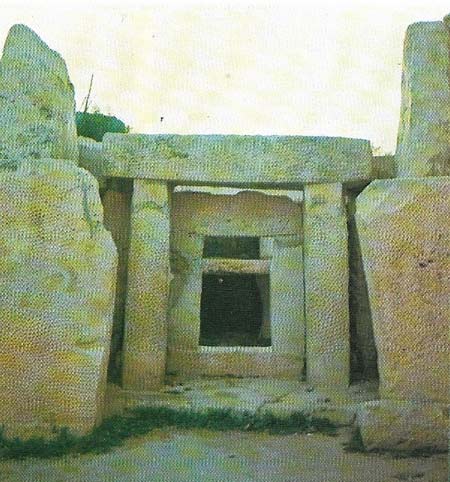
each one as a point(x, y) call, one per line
point(235, 159)
point(238, 266)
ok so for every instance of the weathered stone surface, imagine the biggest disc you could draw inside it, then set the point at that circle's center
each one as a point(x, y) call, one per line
point(239, 159)
point(423, 145)
point(90, 152)
point(383, 167)
point(403, 426)
point(403, 226)
point(37, 106)
point(326, 286)
point(57, 277)
point(251, 213)
point(145, 341)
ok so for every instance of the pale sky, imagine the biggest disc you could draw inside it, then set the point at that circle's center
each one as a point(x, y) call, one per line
point(303, 68)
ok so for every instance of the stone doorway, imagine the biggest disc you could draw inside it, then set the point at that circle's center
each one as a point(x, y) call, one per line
point(236, 304)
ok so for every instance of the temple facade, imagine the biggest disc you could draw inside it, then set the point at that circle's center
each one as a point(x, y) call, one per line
point(143, 258)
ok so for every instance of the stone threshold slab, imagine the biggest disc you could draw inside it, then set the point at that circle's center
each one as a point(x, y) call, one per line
point(281, 397)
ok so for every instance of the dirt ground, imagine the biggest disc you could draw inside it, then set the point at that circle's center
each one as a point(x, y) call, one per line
point(204, 456)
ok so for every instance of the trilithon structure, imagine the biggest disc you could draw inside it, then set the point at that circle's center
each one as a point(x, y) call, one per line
point(288, 257)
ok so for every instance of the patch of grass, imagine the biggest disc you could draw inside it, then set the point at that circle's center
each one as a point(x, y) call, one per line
point(140, 421)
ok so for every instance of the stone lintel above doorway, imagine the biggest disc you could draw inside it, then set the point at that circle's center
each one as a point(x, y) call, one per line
point(234, 160)
point(238, 266)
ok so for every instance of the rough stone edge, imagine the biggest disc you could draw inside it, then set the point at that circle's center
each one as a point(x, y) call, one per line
point(18, 29)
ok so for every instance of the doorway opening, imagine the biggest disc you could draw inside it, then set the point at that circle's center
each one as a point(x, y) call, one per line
point(235, 310)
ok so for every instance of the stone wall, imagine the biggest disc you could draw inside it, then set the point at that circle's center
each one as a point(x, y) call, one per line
point(403, 229)
point(57, 263)
point(57, 277)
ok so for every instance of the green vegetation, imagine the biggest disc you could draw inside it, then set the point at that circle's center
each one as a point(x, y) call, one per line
point(95, 125)
point(139, 421)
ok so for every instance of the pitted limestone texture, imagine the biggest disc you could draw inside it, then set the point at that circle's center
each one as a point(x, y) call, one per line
point(403, 426)
point(423, 145)
point(326, 286)
point(405, 242)
point(37, 106)
point(228, 159)
point(57, 278)
point(144, 351)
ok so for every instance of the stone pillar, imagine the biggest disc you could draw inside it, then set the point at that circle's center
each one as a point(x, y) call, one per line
point(423, 147)
point(287, 299)
point(186, 291)
point(144, 351)
point(326, 286)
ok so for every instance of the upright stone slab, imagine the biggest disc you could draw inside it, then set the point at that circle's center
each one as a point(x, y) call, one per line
point(423, 145)
point(403, 226)
point(37, 106)
point(57, 277)
point(326, 286)
point(286, 296)
point(144, 352)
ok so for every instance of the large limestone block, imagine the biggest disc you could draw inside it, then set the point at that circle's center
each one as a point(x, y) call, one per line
point(404, 231)
point(403, 426)
point(37, 106)
point(145, 334)
point(326, 286)
point(57, 277)
point(423, 145)
point(238, 159)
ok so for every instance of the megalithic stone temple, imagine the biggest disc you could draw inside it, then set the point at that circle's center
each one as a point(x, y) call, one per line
point(144, 257)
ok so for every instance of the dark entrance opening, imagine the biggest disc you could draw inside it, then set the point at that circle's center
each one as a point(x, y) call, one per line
point(235, 310)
